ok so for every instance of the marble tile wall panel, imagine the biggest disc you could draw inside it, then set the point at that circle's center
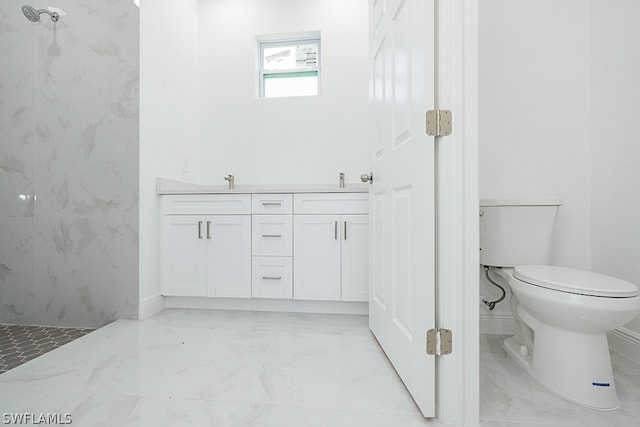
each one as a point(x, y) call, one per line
point(16, 161)
point(16, 113)
point(85, 271)
point(16, 271)
point(69, 162)
point(87, 161)
point(89, 55)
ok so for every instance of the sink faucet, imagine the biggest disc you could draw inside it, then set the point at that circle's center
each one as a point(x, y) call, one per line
point(231, 183)
point(341, 180)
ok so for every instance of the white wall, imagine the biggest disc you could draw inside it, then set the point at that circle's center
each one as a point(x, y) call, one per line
point(285, 140)
point(559, 101)
point(534, 111)
point(615, 133)
point(534, 115)
point(168, 117)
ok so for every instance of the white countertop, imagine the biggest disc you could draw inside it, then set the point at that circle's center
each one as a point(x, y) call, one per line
point(170, 186)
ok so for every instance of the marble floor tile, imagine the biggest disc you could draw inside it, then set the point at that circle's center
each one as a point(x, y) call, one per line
point(227, 368)
point(510, 397)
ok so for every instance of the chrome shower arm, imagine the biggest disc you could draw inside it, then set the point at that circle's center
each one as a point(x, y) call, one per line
point(55, 16)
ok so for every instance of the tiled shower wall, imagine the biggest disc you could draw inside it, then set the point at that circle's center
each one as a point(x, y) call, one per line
point(69, 163)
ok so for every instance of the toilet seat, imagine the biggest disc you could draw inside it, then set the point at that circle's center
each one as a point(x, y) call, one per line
point(575, 281)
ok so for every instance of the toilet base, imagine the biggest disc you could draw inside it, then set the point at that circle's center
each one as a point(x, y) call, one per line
point(574, 366)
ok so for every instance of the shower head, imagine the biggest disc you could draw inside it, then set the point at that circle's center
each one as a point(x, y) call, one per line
point(33, 14)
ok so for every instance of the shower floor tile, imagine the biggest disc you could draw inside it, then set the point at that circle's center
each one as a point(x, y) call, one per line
point(19, 344)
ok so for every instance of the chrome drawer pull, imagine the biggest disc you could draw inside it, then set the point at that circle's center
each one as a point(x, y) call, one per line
point(271, 203)
point(271, 277)
point(199, 229)
point(272, 235)
point(208, 229)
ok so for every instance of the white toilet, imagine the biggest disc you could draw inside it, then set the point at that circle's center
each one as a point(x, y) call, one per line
point(562, 314)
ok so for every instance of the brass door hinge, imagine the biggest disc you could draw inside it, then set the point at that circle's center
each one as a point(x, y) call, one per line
point(439, 342)
point(439, 122)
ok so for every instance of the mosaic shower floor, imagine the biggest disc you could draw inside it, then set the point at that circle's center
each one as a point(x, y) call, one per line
point(19, 344)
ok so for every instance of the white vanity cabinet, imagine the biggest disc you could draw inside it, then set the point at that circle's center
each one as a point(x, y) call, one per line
point(268, 247)
point(207, 245)
point(331, 246)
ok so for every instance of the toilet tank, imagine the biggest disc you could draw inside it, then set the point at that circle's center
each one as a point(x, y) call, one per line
point(517, 231)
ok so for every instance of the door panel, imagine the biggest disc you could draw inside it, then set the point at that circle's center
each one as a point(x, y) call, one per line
point(185, 256)
point(229, 256)
point(402, 301)
point(316, 269)
point(355, 262)
point(401, 255)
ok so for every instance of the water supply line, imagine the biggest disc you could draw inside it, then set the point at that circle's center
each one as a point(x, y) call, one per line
point(492, 304)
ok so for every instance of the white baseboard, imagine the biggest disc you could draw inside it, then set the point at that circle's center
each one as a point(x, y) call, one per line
point(266, 304)
point(497, 324)
point(626, 342)
point(151, 305)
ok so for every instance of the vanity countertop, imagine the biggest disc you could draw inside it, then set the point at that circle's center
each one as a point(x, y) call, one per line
point(170, 186)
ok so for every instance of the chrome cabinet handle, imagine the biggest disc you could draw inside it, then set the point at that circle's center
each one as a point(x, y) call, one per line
point(272, 235)
point(271, 203)
point(208, 229)
point(271, 277)
point(199, 229)
point(335, 230)
point(345, 230)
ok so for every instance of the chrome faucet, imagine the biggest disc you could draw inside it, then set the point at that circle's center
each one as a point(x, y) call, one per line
point(341, 180)
point(230, 178)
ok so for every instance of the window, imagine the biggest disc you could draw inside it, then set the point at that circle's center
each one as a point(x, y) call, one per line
point(289, 68)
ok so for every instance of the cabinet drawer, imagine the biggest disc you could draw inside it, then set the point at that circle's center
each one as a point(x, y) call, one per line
point(272, 277)
point(272, 235)
point(331, 203)
point(206, 204)
point(272, 203)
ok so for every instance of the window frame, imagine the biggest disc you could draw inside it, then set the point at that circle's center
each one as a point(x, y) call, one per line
point(302, 71)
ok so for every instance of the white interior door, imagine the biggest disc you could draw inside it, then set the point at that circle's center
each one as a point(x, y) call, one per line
point(402, 299)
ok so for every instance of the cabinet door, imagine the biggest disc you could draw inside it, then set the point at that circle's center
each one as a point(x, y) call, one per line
point(184, 256)
point(316, 268)
point(355, 257)
point(229, 255)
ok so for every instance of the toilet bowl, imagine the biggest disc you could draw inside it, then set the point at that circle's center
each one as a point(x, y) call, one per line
point(562, 314)
point(570, 353)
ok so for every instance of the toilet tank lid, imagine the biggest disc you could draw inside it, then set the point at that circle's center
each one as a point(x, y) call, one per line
point(575, 281)
point(532, 201)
